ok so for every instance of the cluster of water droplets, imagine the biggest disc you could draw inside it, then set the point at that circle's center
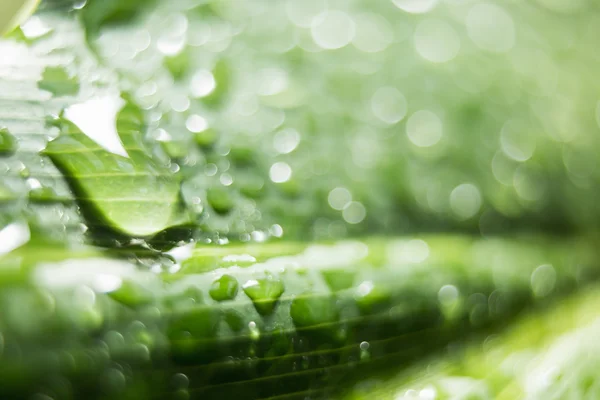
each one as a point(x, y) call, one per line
point(446, 111)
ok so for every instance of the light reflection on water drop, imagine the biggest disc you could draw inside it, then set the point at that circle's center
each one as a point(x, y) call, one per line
point(203, 83)
point(13, 236)
point(196, 123)
point(97, 119)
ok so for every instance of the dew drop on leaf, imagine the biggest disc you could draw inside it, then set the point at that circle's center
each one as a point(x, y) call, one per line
point(224, 288)
point(309, 309)
point(264, 293)
point(8, 143)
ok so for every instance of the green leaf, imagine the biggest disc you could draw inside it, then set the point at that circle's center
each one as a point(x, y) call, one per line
point(132, 194)
point(287, 327)
point(544, 354)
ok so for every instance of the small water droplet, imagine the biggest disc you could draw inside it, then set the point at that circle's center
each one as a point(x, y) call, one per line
point(339, 279)
point(224, 288)
point(264, 293)
point(371, 298)
point(8, 143)
point(220, 200)
point(311, 309)
point(42, 194)
point(254, 331)
point(235, 320)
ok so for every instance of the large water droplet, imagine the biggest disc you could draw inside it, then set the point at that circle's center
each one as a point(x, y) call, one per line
point(133, 195)
point(339, 279)
point(264, 293)
point(220, 200)
point(371, 298)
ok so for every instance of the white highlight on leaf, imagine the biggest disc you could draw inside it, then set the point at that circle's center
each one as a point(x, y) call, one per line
point(97, 119)
point(13, 236)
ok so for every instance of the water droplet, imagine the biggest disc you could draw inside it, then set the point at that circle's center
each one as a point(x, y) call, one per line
point(311, 309)
point(110, 182)
point(264, 293)
point(42, 194)
point(339, 279)
point(34, 27)
point(224, 288)
point(220, 200)
point(235, 320)
point(96, 118)
point(371, 298)
point(13, 236)
point(8, 143)
point(254, 331)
